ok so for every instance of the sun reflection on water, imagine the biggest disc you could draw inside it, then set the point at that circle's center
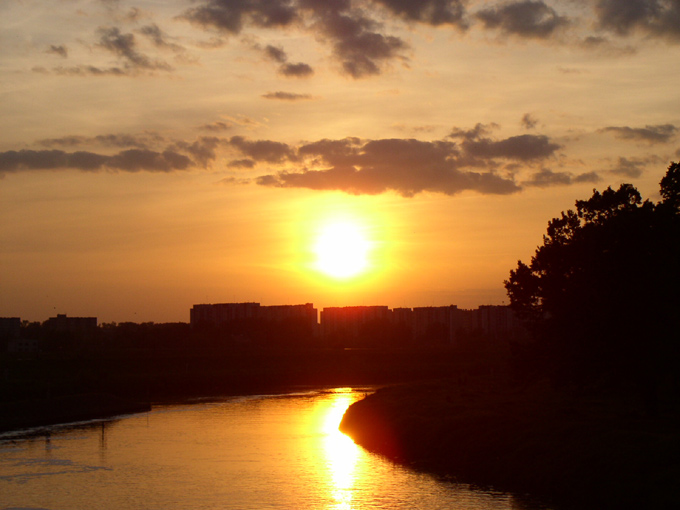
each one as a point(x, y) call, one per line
point(341, 453)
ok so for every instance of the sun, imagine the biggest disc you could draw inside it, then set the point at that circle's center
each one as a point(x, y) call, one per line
point(341, 250)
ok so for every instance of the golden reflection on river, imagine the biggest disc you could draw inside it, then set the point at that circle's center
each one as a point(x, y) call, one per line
point(277, 452)
point(341, 452)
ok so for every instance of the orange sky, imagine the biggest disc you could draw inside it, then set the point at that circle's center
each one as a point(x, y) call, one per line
point(155, 155)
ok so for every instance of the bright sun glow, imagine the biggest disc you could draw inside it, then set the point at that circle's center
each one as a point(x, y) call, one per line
point(342, 454)
point(341, 250)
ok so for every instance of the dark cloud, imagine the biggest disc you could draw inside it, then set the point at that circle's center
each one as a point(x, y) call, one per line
point(60, 50)
point(521, 148)
point(108, 140)
point(88, 70)
point(528, 18)
point(241, 163)
point(202, 150)
point(299, 70)
point(363, 53)
point(603, 44)
point(657, 18)
point(286, 96)
point(629, 167)
point(405, 166)
point(160, 38)
point(353, 34)
point(529, 121)
point(662, 133)
point(592, 177)
point(231, 15)
point(263, 150)
point(475, 133)
point(132, 160)
point(547, 178)
point(276, 53)
point(124, 46)
point(433, 12)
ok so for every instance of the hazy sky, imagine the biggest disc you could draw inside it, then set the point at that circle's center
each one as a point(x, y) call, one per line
point(158, 154)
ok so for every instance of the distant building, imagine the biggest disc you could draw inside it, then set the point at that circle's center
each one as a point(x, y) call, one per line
point(77, 325)
point(496, 321)
point(278, 313)
point(10, 331)
point(362, 326)
point(10, 327)
point(23, 345)
point(222, 313)
point(435, 324)
point(353, 325)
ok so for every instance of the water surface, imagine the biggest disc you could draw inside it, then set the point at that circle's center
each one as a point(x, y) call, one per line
point(256, 452)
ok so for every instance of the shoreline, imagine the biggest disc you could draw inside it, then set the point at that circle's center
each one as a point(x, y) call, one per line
point(568, 453)
point(28, 414)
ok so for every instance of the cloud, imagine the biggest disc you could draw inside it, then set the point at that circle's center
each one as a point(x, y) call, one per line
point(177, 155)
point(286, 96)
point(299, 70)
point(263, 150)
point(356, 42)
point(89, 70)
point(433, 12)
point(60, 50)
point(241, 163)
point(529, 121)
point(160, 38)
point(201, 150)
point(662, 133)
point(124, 46)
point(277, 54)
point(231, 15)
point(633, 167)
point(108, 140)
point(132, 160)
point(656, 18)
point(216, 126)
point(363, 52)
point(520, 148)
point(406, 166)
point(547, 178)
point(528, 18)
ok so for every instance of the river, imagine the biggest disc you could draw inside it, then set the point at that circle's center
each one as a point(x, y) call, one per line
point(253, 452)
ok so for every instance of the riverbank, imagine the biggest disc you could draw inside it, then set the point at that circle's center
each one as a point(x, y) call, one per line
point(576, 453)
point(64, 409)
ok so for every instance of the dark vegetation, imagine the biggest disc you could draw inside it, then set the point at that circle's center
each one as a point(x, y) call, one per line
point(587, 414)
point(152, 363)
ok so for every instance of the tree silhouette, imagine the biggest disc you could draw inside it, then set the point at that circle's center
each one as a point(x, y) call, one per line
point(602, 292)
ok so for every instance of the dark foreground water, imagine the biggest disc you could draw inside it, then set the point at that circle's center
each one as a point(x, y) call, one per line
point(255, 452)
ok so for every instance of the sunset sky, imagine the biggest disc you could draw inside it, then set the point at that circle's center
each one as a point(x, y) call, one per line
point(159, 154)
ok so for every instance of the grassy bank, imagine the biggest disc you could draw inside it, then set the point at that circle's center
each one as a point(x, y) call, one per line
point(575, 452)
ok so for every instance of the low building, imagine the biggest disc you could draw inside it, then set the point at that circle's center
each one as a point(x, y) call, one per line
point(81, 327)
point(10, 330)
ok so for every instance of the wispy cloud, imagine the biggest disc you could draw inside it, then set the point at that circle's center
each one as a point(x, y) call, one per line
point(286, 96)
point(662, 133)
